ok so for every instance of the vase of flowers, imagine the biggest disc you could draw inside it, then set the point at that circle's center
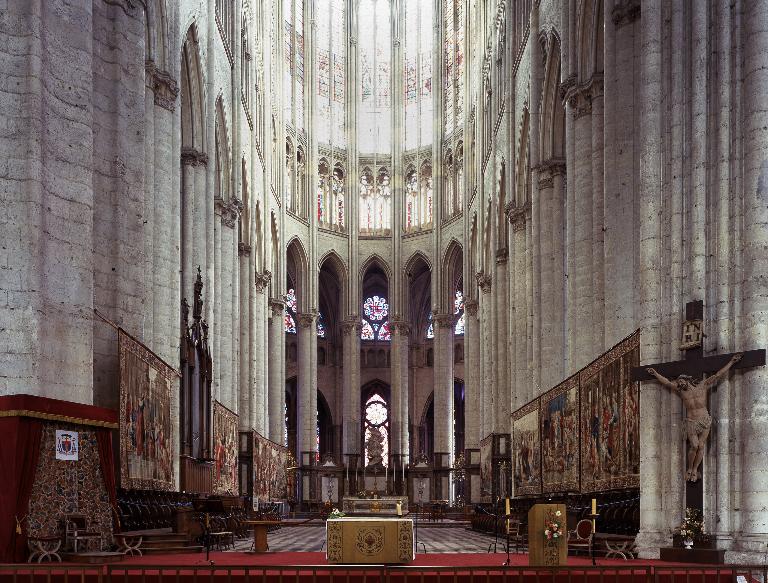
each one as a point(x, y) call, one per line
point(553, 525)
point(692, 527)
point(336, 513)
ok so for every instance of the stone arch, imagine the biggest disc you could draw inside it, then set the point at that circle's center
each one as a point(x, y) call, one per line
point(453, 272)
point(418, 297)
point(275, 282)
point(590, 39)
point(523, 189)
point(223, 182)
point(552, 135)
point(374, 259)
point(192, 88)
point(470, 291)
point(332, 291)
point(297, 266)
point(157, 49)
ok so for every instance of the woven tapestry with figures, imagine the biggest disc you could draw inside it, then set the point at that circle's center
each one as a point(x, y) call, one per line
point(526, 445)
point(560, 437)
point(486, 468)
point(146, 436)
point(225, 435)
point(610, 419)
point(270, 475)
point(599, 404)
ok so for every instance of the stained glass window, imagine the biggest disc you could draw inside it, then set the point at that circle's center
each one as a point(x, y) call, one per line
point(331, 40)
point(453, 62)
point(458, 310)
point(430, 327)
point(417, 71)
point(320, 325)
point(376, 430)
point(375, 319)
point(375, 77)
point(375, 201)
point(290, 312)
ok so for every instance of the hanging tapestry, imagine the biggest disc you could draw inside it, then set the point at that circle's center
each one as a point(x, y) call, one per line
point(486, 468)
point(224, 450)
point(610, 419)
point(560, 437)
point(146, 434)
point(270, 473)
point(526, 449)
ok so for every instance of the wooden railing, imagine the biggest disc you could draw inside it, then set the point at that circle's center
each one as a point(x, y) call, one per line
point(120, 573)
point(196, 476)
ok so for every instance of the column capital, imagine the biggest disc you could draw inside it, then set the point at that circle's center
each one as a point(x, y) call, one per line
point(501, 256)
point(229, 211)
point(243, 249)
point(483, 281)
point(351, 325)
point(277, 306)
point(400, 326)
point(470, 307)
point(307, 319)
point(579, 96)
point(443, 320)
point(262, 281)
point(163, 86)
point(517, 216)
point(192, 157)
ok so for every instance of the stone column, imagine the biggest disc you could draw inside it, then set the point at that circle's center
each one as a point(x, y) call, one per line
point(503, 393)
point(488, 394)
point(754, 308)
point(351, 386)
point(307, 405)
point(472, 434)
point(276, 401)
point(519, 301)
point(246, 320)
point(652, 450)
point(190, 159)
point(443, 394)
point(396, 372)
point(598, 208)
point(259, 341)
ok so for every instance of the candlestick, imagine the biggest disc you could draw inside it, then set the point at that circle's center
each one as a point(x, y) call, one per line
point(399, 509)
point(594, 505)
point(386, 476)
point(506, 507)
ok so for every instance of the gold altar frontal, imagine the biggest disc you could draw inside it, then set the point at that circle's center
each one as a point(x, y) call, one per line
point(357, 540)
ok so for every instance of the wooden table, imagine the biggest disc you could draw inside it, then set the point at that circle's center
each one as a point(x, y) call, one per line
point(260, 533)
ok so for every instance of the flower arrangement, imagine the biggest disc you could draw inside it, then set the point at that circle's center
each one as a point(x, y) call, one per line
point(553, 526)
point(692, 526)
point(336, 513)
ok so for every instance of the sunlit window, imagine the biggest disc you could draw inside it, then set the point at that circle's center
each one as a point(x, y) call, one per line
point(290, 312)
point(376, 430)
point(458, 310)
point(375, 324)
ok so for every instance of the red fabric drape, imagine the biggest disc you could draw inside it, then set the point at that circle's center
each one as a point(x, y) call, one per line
point(107, 463)
point(19, 453)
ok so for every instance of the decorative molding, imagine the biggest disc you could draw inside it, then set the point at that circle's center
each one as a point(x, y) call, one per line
point(307, 319)
point(351, 325)
point(400, 326)
point(443, 320)
point(517, 216)
point(243, 249)
point(277, 306)
point(229, 211)
point(191, 157)
point(626, 12)
point(470, 307)
point(262, 281)
point(579, 97)
point(483, 281)
point(164, 87)
point(545, 181)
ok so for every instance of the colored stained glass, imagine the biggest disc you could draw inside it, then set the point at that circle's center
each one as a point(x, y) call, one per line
point(384, 333)
point(366, 331)
point(290, 312)
point(376, 420)
point(430, 327)
point(376, 308)
point(458, 309)
point(290, 324)
point(320, 326)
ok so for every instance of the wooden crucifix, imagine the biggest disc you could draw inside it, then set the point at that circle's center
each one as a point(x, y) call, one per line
point(694, 389)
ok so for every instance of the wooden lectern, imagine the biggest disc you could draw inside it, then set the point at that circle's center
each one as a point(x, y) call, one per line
point(544, 552)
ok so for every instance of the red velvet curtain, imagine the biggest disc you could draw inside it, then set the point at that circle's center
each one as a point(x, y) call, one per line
point(19, 453)
point(107, 463)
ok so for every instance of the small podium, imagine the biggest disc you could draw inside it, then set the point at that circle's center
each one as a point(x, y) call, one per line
point(543, 551)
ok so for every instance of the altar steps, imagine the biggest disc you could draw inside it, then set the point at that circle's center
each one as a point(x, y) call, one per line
point(162, 541)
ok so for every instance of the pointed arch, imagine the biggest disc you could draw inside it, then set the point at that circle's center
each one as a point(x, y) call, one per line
point(418, 299)
point(192, 94)
point(523, 189)
point(472, 256)
point(223, 184)
point(297, 266)
point(332, 263)
point(453, 272)
point(552, 137)
point(374, 259)
point(275, 258)
point(156, 47)
point(590, 39)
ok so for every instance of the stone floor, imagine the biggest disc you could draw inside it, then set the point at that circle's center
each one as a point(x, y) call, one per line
point(430, 539)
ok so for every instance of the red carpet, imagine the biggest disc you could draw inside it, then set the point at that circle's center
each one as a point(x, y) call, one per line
point(313, 567)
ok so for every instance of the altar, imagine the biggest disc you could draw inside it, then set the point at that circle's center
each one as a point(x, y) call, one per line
point(381, 506)
point(357, 540)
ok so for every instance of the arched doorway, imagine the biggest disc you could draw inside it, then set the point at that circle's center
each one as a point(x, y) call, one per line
point(427, 426)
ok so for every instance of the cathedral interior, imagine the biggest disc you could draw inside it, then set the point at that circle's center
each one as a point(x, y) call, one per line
point(381, 233)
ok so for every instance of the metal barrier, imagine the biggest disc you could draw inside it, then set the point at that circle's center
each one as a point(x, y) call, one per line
point(136, 573)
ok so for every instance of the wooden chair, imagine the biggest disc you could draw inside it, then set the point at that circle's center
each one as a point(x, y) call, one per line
point(581, 536)
point(76, 529)
point(516, 534)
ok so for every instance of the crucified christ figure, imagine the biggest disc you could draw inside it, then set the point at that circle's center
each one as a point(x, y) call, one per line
point(698, 420)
